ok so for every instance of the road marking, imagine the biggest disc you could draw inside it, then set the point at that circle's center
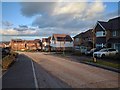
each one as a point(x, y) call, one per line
point(34, 75)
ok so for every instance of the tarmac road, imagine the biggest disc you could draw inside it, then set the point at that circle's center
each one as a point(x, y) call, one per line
point(76, 75)
point(48, 71)
point(23, 74)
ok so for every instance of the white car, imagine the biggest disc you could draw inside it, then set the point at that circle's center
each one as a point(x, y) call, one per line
point(105, 52)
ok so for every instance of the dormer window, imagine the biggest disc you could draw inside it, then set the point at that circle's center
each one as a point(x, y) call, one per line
point(100, 33)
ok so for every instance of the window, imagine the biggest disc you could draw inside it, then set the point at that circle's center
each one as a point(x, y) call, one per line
point(100, 45)
point(114, 33)
point(100, 33)
point(116, 46)
point(77, 39)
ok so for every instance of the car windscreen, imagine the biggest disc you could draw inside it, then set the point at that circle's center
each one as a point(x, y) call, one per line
point(103, 50)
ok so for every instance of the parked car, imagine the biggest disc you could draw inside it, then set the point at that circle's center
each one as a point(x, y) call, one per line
point(105, 52)
point(90, 52)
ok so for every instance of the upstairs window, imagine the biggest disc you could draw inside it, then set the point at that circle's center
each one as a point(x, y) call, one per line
point(77, 39)
point(114, 33)
point(100, 33)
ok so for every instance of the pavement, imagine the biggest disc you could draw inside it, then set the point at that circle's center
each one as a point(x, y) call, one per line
point(74, 74)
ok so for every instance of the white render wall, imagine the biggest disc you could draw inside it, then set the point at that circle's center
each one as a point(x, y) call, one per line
point(61, 44)
point(45, 43)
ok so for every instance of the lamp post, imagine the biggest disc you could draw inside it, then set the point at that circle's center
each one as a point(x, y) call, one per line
point(94, 59)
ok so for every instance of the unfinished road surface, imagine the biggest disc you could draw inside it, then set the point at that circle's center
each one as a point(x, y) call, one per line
point(73, 74)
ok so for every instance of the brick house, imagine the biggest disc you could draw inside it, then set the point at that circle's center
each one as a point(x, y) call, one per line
point(22, 45)
point(84, 39)
point(18, 44)
point(107, 34)
point(61, 42)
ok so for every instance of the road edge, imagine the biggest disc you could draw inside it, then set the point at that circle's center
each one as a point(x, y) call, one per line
point(34, 75)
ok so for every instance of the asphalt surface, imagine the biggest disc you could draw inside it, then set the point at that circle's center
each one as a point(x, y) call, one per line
point(21, 75)
point(54, 72)
point(76, 75)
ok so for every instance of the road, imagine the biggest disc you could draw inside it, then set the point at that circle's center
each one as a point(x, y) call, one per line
point(50, 71)
point(76, 75)
point(25, 73)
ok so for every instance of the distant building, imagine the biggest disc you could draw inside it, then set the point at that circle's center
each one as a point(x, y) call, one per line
point(22, 45)
point(4, 44)
point(83, 41)
point(107, 34)
point(46, 44)
point(61, 42)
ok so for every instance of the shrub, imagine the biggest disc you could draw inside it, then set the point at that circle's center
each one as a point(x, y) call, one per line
point(8, 60)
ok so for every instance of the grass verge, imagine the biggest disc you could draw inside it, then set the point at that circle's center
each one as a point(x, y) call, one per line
point(104, 63)
point(8, 60)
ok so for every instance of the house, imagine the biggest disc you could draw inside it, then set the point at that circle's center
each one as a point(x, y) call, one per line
point(46, 44)
point(107, 34)
point(61, 42)
point(4, 44)
point(18, 44)
point(33, 44)
point(22, 45)
point(83, 41)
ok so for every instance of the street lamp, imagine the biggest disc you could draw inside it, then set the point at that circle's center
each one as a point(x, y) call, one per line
point(94, 59)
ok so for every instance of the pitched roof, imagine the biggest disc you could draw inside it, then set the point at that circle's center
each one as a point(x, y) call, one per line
point(45, 40)
point(104, 25)
point(112, 24)
point(7, 43)
point(84, 34)
point(79, 35)
point(59, 35)
point(62, 37)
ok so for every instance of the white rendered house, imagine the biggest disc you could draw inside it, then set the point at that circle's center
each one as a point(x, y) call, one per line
point(60, 42)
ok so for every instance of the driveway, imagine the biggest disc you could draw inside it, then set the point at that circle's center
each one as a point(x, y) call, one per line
point(73, 74)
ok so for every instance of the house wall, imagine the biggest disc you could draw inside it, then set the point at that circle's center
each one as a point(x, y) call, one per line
point(18, 46)
point(78, 41)
point(24, 45)
point(61, 44)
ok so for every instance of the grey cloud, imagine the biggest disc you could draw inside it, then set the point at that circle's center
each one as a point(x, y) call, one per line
point(33, 8)
point(64, 21)
point(23, 28)
point(61, 23)
point(6, 23)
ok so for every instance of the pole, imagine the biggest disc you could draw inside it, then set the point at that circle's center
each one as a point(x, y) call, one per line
point(94, 59)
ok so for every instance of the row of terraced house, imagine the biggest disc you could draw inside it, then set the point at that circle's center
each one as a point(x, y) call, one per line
point(104, 34)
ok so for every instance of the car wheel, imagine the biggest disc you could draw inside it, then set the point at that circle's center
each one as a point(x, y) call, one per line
point(103, 55)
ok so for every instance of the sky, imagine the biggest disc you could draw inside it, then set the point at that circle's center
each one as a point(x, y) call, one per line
point(31, 20)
